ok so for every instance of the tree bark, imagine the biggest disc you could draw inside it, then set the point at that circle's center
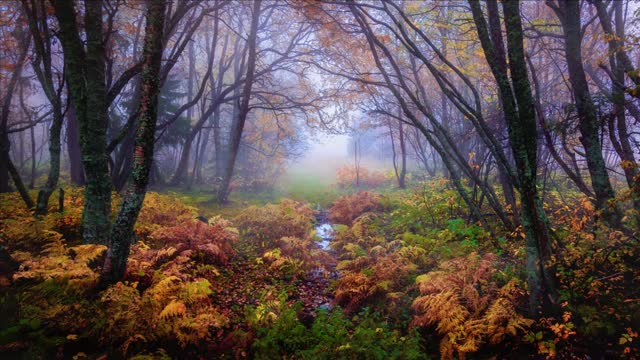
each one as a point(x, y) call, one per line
point(518, 106)
point(401, 170)
point(73, 149)
point(17, 180)
point(403, 157)
point(122, 232)
point(569, 14)
point(32, 180)
point(85, 71)
point(538, 241)
point(42, 204)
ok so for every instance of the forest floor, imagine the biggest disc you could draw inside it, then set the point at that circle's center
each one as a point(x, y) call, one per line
point(405, 276)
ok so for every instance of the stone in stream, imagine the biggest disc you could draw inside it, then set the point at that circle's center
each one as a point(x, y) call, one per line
point(203, 218)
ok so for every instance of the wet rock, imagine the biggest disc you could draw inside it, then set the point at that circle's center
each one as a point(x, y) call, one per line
point(203, 218)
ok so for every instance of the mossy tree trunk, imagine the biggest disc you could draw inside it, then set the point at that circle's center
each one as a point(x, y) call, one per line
point(122, 231)
point(73, 148)
point(85, 73)
point(518, 106)
point(569, 14)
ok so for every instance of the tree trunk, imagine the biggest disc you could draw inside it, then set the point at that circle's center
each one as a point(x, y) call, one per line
point(42, 204)
point(122, 232)
point(73, 149)
point(123, 155)
point(401, 170)
point(183, 162)
point(182, 168)
point(569, 14)
point(17, 180)
point(85, 73)
point(217, 144)
point(534, 221)
point(43, 68)
point(123, 161)
point(403, 157)
point(237, 127)
point(97, 200)
point(5, 143)
point(32, 180)
point(617, 59)
point(518, 106)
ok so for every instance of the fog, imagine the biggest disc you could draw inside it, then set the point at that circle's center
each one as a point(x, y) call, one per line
point(327, 153)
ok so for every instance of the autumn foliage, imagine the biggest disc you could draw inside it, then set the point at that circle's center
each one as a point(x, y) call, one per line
point(161, 211)
point(268, 224)
point(349, 177)
point(467, 307)
point(347, 208)
point(163, 300)
point(406, 275)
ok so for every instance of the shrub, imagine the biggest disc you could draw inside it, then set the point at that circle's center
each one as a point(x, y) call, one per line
point(161, 211)
point(264, 226)
point(374, 271)
point(171, 311)
point(58, 261)
point(50, 296)
point(212, 242)
point(332, 336)
point(347, 176)
point(598, 278)
point(20, 230)
point(356, 241)
point(365, 336)
point(180, 250)
point(294, 257)
point(466, 307)
point(54, 298)
point(381, 280)
point(427, 207)
point(347, 208)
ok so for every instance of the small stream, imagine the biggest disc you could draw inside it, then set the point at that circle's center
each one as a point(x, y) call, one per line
point(325, 232)
point(315, 288)
point(324, 229)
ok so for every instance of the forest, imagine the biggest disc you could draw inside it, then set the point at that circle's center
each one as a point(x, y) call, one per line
point(319, 179)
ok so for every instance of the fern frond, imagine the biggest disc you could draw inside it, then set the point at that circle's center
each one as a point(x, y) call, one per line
point(173, 309)
point(88, 252)
point(466, 307)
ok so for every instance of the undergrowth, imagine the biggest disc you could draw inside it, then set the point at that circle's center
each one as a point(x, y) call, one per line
point(416, 279)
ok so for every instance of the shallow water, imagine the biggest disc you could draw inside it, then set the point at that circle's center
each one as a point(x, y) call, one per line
point(325, 232)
